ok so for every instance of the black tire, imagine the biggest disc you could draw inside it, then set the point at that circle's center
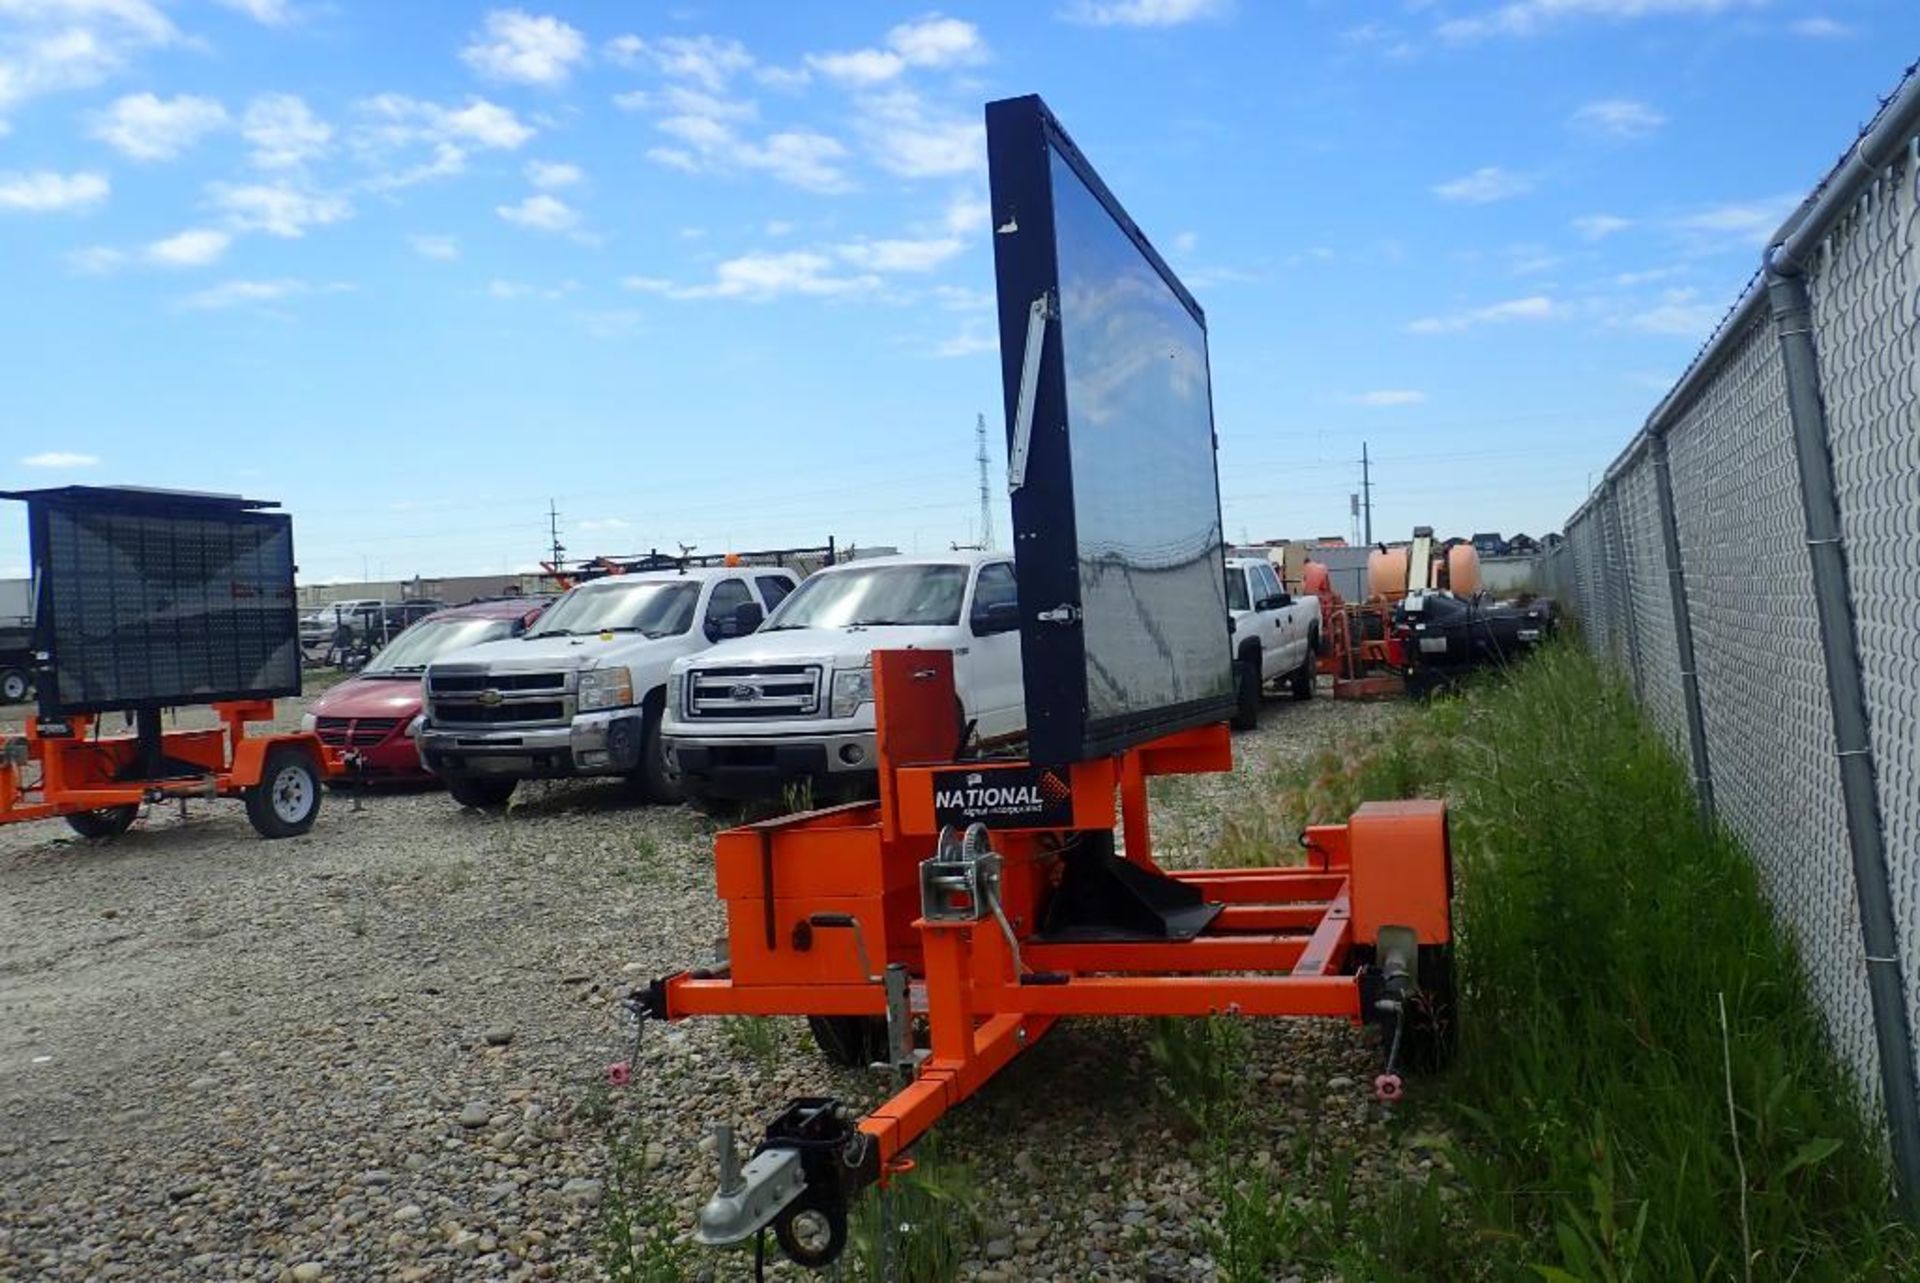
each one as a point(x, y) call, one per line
point(107, 822)
point(826, 1217)
point(481, 792)
point(286, 801)
point(655, 779)
point(15, 685)
point(1246, 694)
point(1300, 684)
point(1432, 1031)
point(851, 1041)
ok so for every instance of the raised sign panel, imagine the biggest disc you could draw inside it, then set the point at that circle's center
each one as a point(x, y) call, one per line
point(1116, 500)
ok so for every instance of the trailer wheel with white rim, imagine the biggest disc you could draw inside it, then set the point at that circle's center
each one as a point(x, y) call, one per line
point(14, 685)
point(287, 798)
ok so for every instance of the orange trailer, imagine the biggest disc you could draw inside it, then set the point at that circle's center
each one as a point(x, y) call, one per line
point(64, 768)
point(876, 918)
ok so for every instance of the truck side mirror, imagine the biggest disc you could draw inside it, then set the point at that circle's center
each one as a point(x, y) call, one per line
point(1000, 617)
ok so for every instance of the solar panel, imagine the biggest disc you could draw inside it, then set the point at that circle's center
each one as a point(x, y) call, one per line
point(1116, 500)
point(150, 599)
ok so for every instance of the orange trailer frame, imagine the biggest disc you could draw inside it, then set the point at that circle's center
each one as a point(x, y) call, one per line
point(862, 910)
point(84, 774)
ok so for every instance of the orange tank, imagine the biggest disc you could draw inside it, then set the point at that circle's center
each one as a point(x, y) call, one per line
point(1316, 582)
point(1386, 574)
point(1463, 570)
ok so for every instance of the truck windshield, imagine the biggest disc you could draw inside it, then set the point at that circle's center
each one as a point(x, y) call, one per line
point(877, 596)
point(1237, 589)
point(658, 608)
point(420, 645)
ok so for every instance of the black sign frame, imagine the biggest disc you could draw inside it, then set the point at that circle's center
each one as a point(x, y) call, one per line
point(1023, 137)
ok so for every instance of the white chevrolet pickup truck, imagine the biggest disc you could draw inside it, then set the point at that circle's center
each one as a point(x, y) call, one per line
point(793, 703)
point(583, 690)
point(1276, 636)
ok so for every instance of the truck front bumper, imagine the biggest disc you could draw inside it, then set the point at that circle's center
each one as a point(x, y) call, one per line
point(747, 767)
point(602, 743)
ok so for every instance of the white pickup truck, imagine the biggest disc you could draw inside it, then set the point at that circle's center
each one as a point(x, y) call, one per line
point(793, 703)
point(1276, 636)
point(583, 690)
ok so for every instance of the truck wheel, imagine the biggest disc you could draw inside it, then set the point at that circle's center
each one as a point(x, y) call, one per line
point(655, 778)
point(1300, 685)
point(1246, 694)
point(287, 798)
point(852, 1041)
point(480, 792)
point(14, 686)
point(107, 822)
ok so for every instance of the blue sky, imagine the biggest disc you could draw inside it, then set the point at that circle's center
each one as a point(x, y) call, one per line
point(719, 274)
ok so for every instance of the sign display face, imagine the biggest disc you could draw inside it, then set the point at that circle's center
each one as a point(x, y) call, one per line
point(1116, 503)
point(146, 599)
point(1025, 797)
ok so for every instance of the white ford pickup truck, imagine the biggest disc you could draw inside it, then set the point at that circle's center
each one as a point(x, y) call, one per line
point(1276, 636)
point(793, 703)
point(583, 690)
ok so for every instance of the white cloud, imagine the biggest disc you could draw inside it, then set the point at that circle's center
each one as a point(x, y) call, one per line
point(486, 124)
point(1618, 118)
point(779, 227)
point(43, 191)
point(1739, 223)
point(269, 13)
point(552, 175)
point(97, 260)
point(1597, 227)
point(937, 41)
point(1484, 186)
point(397, 123)
point(444, 249)
point(901, 255)
point(542, 213)
point(908, 140)
point(797, 157)
point(706, 60)
point(958, 298)
point(526, 49)
point(1186, 242)
point(1822, 28)
point(1144, 13)
point(759, 277)
point(973, 339)
point(55, 46)
point(858, 66)
point(967, 214)
point(146, 127)
point(1536, 307)
point(1388, 397)
point(60, 459)
point(284, 131)
point(195, 247)
point(1532, 17)
point(1679, 312)
point(245, 293)
point(278, 209)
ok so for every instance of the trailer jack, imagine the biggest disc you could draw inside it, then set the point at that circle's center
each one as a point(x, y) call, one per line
point(800, 1181)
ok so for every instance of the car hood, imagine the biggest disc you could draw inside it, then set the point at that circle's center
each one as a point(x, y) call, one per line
point(370, 697)
point(545, 654)
point(834, 647)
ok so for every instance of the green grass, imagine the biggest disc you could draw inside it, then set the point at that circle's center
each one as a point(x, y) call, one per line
point(1610, 1126)
point(934, 1212)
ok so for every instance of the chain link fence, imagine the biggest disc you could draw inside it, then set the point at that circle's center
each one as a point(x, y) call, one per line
point(1752, 562)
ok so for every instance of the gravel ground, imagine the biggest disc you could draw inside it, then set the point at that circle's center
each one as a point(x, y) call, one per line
point(375, 1052)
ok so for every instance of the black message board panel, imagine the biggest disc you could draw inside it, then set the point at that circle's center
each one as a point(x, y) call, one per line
point(142, 606)
point(1118, 540)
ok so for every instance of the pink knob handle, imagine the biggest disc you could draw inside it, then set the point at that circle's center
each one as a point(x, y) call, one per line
point(619, 1074)
point(1387, 1087)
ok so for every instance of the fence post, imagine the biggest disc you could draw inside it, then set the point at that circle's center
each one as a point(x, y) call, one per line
point(1792, 314)
point(1682, 624)
point(1620, 583)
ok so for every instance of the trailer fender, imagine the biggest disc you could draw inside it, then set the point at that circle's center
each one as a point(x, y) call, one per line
point(250, 755)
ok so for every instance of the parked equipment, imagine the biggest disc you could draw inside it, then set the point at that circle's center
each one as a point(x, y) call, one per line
point(148, 600)
point(990, 897)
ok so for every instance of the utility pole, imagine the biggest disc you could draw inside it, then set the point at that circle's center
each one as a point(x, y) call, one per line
point(986, 490)
point(1366, 490)
point(553, 533)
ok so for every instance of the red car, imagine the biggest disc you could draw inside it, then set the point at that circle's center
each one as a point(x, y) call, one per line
point(373, 712)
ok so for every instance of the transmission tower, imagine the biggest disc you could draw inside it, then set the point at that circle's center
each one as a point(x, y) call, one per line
point(553, 532)
point(986, 489)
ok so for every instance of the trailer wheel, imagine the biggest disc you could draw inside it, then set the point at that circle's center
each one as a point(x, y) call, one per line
point(107, 822)
point(14, 686)
point(812, 1231)
point(1246, 694)
point(1433, 1016)
point(850, 1041)
point(480, 792)
point(287, 798)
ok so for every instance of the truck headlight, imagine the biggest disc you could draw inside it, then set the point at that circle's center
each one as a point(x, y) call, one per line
point(309, 723)
point(413, 727)
point(605, 688)
point(676, 693)
point(852, 687)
